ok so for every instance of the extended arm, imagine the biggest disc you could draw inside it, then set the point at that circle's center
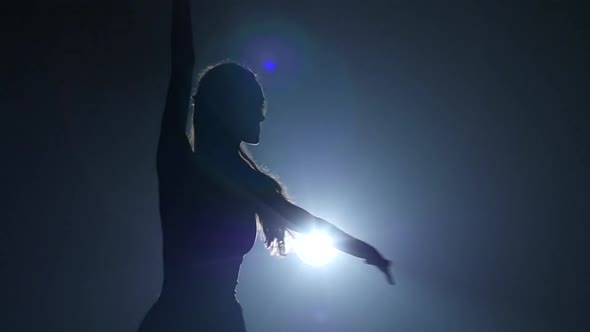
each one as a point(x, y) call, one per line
point(173, 146)
point(301, 221)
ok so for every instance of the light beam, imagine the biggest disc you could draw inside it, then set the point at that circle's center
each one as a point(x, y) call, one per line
point(315, 249)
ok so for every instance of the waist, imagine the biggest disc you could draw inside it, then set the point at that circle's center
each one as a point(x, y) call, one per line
point(202, 278)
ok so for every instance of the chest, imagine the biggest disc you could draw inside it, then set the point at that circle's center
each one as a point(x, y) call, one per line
point(225, 192)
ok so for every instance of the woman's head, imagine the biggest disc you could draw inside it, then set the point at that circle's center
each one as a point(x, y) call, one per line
point(229, 104)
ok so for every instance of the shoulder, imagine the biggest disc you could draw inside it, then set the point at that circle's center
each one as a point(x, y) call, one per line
point(264, 185)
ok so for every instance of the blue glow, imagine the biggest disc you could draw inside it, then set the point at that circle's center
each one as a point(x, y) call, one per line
point(269, 65)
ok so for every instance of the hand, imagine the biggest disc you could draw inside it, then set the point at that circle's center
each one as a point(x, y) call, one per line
point(384, 265)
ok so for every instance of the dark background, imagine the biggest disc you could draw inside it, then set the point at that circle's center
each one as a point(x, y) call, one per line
point(452, 136)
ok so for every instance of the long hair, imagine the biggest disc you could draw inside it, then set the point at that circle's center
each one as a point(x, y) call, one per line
point(215, 85)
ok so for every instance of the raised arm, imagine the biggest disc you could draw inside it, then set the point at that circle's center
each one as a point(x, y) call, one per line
point(173, 145)
point(301, 221)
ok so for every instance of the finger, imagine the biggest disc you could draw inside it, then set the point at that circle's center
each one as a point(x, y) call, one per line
point(389, 276)
point(390, 279)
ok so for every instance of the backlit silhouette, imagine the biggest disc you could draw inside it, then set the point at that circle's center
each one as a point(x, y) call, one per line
point(214, 198)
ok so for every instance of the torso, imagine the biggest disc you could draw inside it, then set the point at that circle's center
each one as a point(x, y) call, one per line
point(208, 225)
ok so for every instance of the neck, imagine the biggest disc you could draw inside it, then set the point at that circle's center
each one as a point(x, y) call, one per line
point(217, 149)
point(213, 141)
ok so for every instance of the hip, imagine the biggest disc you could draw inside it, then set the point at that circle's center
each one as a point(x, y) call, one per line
point(208, 314)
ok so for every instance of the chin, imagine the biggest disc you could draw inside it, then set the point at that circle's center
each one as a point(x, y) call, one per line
point(252, 140)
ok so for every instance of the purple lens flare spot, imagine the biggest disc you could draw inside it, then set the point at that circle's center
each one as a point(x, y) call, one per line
point(270, 65)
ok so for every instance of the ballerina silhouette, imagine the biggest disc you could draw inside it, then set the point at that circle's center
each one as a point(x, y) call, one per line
point(213, 196)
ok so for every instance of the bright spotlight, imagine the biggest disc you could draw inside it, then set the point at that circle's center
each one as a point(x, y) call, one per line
point(315, 249)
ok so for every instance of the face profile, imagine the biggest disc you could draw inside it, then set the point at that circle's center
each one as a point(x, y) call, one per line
point(247, 110)
point(253, 111)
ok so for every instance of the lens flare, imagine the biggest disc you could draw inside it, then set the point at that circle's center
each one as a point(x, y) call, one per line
point(270, 65)
point(315, 249)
